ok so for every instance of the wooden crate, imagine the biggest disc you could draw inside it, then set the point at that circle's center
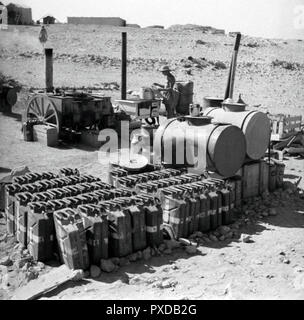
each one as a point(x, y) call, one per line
point(45, 134)
point(282, 126)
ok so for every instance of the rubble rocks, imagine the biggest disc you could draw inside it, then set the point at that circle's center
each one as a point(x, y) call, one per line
point(6, 261)
point(78, 275)
point(139, 255)
point(132, 257)
point(162, 247)
point(146, 254)
point(273, 212)
point(95, 271)
point(223, 230)
point(124, 262)
point(213, 238)
point(191, 249)
point(107, 265)
point(245, 238)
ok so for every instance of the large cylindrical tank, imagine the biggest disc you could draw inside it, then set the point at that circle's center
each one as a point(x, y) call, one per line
point(254, 124)
point(216, 147)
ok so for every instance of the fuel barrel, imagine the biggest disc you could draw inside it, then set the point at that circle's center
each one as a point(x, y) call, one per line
point(254, 124)
point(196, 143)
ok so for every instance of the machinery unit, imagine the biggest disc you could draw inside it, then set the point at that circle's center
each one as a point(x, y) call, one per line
point(254, 124)
point(200, 145)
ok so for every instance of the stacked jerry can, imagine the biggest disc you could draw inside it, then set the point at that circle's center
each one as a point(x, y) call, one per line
point(71, 239)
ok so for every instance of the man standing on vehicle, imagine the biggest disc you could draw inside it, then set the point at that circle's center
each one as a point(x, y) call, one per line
point(170, 96)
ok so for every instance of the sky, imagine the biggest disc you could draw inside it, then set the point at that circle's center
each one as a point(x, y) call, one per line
point(262, 18)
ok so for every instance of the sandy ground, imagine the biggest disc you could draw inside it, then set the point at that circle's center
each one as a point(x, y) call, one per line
point(224, 270)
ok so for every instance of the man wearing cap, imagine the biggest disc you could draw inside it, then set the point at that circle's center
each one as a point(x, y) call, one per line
point(170, 96)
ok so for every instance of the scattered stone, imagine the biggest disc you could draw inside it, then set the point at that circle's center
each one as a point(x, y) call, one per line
point(3, 269)
point(32, 274)
point(269, 276)
point(115, 260)
point(207, 240)
point(299, 269)
point(18, 264)
point(222, 238)
point(107, 265)
point(199, 234)
point(245, 238)
point(168, 251)
point(25, 252)
point(223, 230)
point(78, 275)
point(94, 271)
point(191, 249)
point(139, 255)
point(124, 262)
point(273, 212)
point(286, 261)
point(229, 235)
point(6, 261)
point(213, 238)
point(40, 265)
point(5, 281)
point(282, 253)
point(162, 247)
point(132, 257)
point(168, 284)
point(147, 254)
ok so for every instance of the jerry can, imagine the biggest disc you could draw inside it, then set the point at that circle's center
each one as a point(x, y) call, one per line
point(32, 177)
point(10, 192)
point(96, 226)
point(71, 239)
point(272, 177)
point(120, 236)
point(154, 220)
point(280, 175)
point(213, 209)
point(224, 191)
point(68, 172)
point(48, 175)
point(21, 216)
point(138, 224)
point(20, 179)
point(174, 212)
point(41, 232)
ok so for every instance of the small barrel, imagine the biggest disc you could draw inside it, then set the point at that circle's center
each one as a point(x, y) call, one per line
point(185, 89)
point(254, 124)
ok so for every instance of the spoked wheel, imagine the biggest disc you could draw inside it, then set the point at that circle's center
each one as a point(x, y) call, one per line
point(40, 107)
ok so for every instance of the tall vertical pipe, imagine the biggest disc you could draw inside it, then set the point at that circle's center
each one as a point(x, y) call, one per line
point(48, 69)
point(124, 66)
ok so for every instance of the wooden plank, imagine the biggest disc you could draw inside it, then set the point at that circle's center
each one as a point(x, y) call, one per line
point(45, 283)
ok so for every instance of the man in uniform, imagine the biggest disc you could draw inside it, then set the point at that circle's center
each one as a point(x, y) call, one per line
point(43, 36)
point(170, 96)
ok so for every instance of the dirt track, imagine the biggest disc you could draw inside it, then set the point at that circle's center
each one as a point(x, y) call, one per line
point(224, 270)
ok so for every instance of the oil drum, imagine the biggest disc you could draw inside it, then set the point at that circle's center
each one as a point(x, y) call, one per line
point(198, 144)
point(254, 124)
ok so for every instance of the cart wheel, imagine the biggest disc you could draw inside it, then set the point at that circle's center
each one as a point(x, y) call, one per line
point(40, 107)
